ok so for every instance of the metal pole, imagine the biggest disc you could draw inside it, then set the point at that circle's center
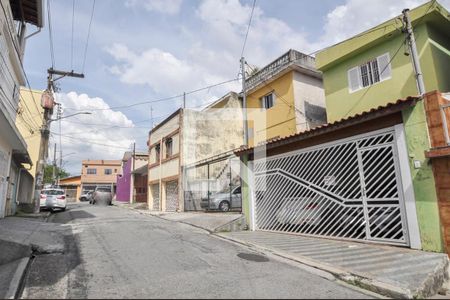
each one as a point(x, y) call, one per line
point(54, 166)
point(184, 100)
point(43, 150)
point(244, 102)
point(414, 54)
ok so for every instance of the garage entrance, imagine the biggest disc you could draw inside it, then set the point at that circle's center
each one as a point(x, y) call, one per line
point(348, 189)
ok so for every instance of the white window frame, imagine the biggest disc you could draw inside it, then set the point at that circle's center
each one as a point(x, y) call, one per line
point(262, 100)
point(383, 74)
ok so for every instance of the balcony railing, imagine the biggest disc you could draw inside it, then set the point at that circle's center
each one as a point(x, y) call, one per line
point(289, 58)
point(445, 114)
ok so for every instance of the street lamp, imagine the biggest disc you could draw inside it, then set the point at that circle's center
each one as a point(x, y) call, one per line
point(65, 117)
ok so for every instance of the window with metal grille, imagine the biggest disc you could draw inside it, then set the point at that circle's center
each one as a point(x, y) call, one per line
point(91, 171)
point(108, 171)
point(267, 101)
point(169, 146)
point(369, 73)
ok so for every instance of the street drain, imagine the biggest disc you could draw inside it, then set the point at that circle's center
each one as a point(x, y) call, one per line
point(253, 257)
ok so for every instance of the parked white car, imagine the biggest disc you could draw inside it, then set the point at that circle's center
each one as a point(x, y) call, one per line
point(297, 211)
point(53, 198)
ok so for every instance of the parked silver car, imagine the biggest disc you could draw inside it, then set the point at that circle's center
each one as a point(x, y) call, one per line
point(223, 201)
point(53, 198)
point(87, 196)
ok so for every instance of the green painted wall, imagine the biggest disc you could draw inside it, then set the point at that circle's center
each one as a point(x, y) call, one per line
point(434, 62)
point(417, 141)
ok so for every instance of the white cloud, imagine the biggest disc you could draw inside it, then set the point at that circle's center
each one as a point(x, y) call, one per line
point(212, 53)
point(104, 134)
point(356, 16)
point(170, 7)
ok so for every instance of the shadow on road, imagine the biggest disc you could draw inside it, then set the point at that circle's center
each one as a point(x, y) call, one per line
point(70, 215)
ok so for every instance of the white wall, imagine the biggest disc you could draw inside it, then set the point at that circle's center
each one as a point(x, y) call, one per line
point(309, 98)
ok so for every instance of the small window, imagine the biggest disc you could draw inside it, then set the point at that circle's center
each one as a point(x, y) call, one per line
point(115, 170)
point(169, 149)
point(91, 171)
point(157, 152)
point(108, 171)
point(267, 101)
point(369, 73)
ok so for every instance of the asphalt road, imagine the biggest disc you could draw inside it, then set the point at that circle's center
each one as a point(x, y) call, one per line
point(112, 252)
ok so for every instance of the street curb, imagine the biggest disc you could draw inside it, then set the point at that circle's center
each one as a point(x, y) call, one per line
point(357, 280)
point(17, 279)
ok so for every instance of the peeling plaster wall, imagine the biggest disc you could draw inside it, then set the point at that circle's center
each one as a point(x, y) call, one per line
point(211, 132)
point(417, 140)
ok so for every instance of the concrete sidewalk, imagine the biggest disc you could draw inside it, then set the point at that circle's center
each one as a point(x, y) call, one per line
point(391, 271)
point(20, 237)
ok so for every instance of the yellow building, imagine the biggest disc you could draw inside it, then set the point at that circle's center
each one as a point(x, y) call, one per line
point(285, 97)
point(30, 112)
point(72, 187)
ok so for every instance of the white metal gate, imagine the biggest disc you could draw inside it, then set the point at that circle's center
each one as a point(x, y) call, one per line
point(347, 189)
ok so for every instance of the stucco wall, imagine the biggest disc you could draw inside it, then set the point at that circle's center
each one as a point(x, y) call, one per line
point(124, 183)
point(212, 132)
point(341, 103)
point(310, 100)
point(279, 120)
point(417, 140)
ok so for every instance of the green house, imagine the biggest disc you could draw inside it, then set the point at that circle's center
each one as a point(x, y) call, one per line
point(374, 68)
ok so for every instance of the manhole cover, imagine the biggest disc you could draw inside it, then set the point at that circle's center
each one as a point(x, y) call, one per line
point(253, 257)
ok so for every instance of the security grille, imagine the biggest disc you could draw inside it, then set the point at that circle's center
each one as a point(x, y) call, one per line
point(171, 196)
point(155, 195)
point(349, 189)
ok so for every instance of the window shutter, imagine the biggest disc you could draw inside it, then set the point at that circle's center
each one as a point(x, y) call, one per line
point(384, 66)
point(354, 82)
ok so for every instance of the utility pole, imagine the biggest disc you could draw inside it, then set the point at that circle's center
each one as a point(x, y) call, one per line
point(54, 166)
point(414, 54)
point(244, 102)
point(47, 103)
point(184, 100)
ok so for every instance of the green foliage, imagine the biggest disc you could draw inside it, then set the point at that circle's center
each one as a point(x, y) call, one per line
point(48, 173)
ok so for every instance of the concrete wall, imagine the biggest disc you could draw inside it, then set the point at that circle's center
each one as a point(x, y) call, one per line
point(32, 112)
point(433, 47)
point(213, 131)
point(100, 166)
point(124, 182)
point(277, 121)
point(418, 142)
point(310, 100)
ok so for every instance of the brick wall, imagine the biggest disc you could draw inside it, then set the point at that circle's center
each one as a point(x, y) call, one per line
point(440, 158)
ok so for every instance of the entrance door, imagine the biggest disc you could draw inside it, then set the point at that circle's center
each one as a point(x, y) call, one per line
point(171, 195)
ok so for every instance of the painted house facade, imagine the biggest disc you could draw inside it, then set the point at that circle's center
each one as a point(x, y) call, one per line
point(164, 164)
point(126, 180)
point(13, 148)
point(373, 168)
point(285, 97)
point(371, 69)
point(99, 173)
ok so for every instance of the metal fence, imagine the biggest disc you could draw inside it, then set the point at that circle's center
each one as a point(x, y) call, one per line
point(348, 189)
point(213, 185)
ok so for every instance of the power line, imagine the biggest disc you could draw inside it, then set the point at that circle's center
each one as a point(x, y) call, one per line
point(248, 28)
point(88, 35)
point(157, 100)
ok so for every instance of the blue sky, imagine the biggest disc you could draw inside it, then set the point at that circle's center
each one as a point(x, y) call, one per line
point(141, 50)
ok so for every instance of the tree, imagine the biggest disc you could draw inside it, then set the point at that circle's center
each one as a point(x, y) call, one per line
point(48, 173)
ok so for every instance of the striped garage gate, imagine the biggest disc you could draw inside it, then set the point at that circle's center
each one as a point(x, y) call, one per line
point(349, 189)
